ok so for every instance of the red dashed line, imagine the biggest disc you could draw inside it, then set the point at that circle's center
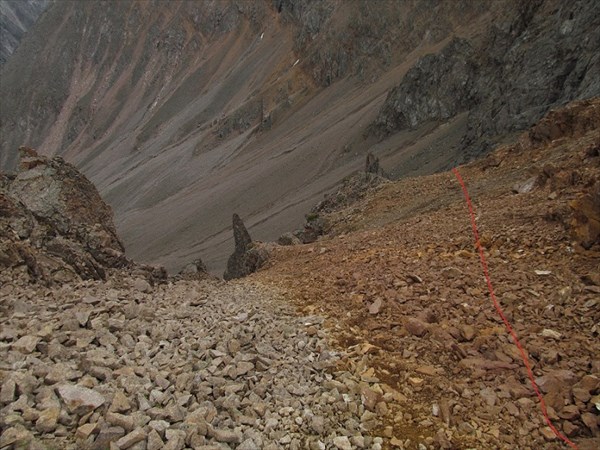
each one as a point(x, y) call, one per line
point(503, 317)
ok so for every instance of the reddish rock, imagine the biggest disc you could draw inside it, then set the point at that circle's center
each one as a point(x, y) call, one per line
point(569, 412)
point(416, 327)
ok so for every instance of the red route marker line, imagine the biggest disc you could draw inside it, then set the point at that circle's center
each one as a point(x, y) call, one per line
point(503, 317)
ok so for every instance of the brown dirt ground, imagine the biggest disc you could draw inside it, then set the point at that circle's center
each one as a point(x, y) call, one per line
point(410, 246)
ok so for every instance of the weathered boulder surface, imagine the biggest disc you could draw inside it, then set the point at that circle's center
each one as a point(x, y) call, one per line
point(54, 222)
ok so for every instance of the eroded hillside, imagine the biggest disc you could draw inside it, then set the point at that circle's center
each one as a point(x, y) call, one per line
point(379, 335)
point(183, 113)
point(400, 281)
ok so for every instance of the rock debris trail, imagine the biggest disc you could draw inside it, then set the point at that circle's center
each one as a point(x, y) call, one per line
point(191, 364)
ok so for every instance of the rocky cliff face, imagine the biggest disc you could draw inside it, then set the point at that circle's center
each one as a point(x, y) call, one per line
point(539, 55)
point(182, 113)
point(16, 17)
point(54, 223)
point(438, 87)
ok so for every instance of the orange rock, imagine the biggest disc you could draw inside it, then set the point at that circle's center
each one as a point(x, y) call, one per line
point(585, 223)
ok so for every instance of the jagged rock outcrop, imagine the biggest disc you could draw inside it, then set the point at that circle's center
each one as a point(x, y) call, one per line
point(571, 121)
point(248, 256)
point(438, 87)
point(353, 188)
point(544, 54)
point(373, 166)
point(54, 222)
point(315, 226)
point(16, 17)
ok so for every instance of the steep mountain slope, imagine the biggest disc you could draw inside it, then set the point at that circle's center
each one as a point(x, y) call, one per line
point(16, 17)
point(379, 336)
point(400, 281)
point(183, 113)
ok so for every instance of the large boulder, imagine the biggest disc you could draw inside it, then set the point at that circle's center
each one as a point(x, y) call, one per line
point(54, 222)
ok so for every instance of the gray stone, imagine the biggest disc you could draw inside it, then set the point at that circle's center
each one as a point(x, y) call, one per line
point(120, 403)
point(106, 436)
point(120, 420)
point(15, 436)
point(358, 441)
point(7, 394)
point(86, 430)
point(154, 441)
point(26, 344)
point(223, 435)
point(317, 423)
point(243, 368)
point(159, 425)
point(248, 444)
point(141, 285)
point(132, 438)
point(342, 442)
point(175, 439)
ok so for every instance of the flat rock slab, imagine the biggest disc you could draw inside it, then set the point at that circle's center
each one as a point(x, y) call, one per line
point(80, 400)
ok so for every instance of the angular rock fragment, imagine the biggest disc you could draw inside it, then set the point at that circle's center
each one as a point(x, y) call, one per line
point(130, 439)
point(80, 400)
point(224, 435)
point(26, 344)
point(416, 327)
